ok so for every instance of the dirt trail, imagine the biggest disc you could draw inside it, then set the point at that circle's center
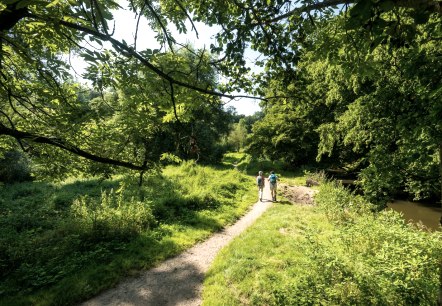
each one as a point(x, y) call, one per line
point(178, 280)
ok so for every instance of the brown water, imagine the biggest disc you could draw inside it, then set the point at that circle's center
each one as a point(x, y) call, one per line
point(415, 212)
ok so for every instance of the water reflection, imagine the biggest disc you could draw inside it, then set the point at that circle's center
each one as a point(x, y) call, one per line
point(428, 214)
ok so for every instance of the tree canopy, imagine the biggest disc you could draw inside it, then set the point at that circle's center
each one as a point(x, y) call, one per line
point(149, 100)
point(371, 108)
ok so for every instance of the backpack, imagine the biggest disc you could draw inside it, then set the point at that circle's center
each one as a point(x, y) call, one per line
point(259, 180)
point(272, 178)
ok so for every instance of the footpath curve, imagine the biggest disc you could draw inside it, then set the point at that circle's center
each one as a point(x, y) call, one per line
point(178, 280)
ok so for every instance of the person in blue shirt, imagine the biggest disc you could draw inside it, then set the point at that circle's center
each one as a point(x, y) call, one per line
point(273, 180)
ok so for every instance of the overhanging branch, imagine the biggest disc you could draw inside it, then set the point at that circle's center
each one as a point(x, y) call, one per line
point(433, 5)
point(20, 135)
point(131, 52)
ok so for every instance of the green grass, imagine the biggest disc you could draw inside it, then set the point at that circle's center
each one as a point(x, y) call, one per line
point(304, 255)
point(251, 166)
point(62, 243)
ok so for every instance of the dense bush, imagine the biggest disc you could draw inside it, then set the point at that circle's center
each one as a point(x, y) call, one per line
point(112, 215)
point(399, 261)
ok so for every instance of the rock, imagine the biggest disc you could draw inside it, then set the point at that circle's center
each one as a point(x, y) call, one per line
point(310, 182)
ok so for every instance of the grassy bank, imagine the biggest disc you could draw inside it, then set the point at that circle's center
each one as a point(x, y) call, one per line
point(62, 243)
point(338, 253)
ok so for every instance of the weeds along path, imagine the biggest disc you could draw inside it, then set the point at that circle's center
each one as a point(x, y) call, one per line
point(178, 280)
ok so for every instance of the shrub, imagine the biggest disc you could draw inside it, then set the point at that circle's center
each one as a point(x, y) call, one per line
point(95, 231)
point(339, 204)
point(14, 167)
point(112, 215)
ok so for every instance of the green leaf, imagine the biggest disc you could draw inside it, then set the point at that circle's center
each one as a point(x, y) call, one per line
point(9, 1)
point(352, 23)
point(53, 3)
point(376, 42)
point(88, 57)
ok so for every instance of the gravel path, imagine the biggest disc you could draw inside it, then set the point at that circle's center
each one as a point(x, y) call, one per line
point(178, 280)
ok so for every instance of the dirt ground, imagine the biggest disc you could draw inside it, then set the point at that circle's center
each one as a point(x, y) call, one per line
point(298, 194)
point(179, 280)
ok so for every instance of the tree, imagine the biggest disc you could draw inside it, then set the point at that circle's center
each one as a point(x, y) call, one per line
point(277, 29)
point(37, 92)
point(14, 167)
point(238, 135)
point(38, 100)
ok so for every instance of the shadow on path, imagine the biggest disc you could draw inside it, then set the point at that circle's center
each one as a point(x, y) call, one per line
point(175, 282)
point(178, 280)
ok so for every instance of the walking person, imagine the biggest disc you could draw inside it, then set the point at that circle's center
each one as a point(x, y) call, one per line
point(273, 178)
point(260, 181)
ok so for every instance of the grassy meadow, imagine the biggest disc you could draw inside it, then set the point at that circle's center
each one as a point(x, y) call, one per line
point(62, 243)
point(339, 252)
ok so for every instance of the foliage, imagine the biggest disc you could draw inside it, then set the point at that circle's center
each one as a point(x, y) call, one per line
point(238, 135)
point(14, 167)
point(111, 215)
point(319, 59)
point(140, 111)
point(387, 110)
point(252, 165)
point(62, 243)
point(278, 29)
point(284, 133)
point(373, 111)
point(302, 255)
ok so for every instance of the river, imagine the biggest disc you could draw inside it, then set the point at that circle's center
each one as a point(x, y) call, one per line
point(428, 214)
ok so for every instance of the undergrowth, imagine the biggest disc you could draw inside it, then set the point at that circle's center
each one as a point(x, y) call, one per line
point(62, 243)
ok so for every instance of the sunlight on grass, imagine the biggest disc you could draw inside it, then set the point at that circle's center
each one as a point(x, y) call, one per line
point(62, 243)
point(298, 255)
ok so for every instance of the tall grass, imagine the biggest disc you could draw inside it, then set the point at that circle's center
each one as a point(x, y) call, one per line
point(62, 243)
point(338, 253)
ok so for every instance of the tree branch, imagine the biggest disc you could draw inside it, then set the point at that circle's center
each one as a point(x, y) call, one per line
point(130, 52)
point(163, 27)
point(308, 8)
point(434, 5)
point(187, 15)
point(10, 16)
point(19, 135)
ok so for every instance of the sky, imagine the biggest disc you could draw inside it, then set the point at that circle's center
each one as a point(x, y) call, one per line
point(125, 25)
